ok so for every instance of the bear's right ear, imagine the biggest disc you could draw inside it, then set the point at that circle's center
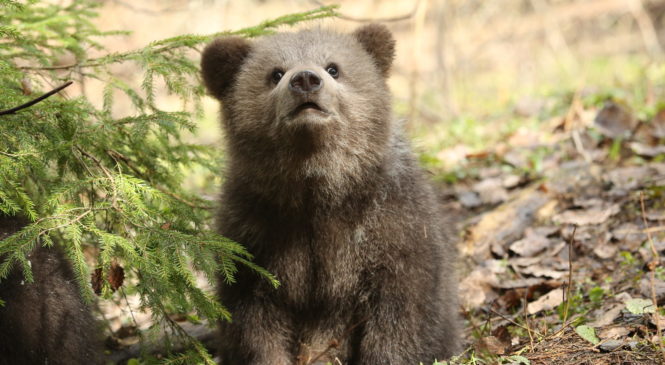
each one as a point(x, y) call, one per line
point(221, 62)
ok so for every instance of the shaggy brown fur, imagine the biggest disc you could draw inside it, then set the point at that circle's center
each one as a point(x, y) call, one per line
point(324, 191)
point(45, 322)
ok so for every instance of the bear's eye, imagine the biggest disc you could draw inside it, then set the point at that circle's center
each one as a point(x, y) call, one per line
point(332, 70)
point(276, 75)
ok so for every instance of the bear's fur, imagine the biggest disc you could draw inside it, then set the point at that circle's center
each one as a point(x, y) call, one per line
point(324, 191)
point(45, 322)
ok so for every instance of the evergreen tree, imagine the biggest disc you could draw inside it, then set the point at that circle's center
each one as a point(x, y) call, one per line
point(83, 177)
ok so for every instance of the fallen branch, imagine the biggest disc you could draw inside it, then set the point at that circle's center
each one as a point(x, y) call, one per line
point(35, 101)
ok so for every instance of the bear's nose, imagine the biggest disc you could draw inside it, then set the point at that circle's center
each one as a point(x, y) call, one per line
point(305, 82)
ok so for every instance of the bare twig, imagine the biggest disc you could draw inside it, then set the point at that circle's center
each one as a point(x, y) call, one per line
point(570, 277)
point(36, 100)
point(652, 275)
point(567, 293)
point(526, 321)
point(509, 320)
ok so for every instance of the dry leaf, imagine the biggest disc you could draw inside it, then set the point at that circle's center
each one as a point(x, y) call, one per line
point(542, 271)
point(629, 178)
point(583, 217)
point(531, 245)
point(548, 301)
point(476, 288)
point(615, 121)
point(491, 191)
point(630, 235)
point(492, 345)
point(605, 250)
point(469, 199)
point(658, 285)
point(505, 223)
point(646, 150)
point(608, 316)
point(613, 333)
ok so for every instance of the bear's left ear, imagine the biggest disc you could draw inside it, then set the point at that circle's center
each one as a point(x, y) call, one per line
point(377, 40)
point(221, 62)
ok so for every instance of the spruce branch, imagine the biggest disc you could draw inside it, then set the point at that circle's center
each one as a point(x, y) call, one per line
point(86, 178)
point(36, 100)
point(191, 41)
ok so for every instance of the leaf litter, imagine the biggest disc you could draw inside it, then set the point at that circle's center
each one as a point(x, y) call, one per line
point(560, 264)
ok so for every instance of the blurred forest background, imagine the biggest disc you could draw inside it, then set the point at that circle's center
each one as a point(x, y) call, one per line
point(467, 73)
point(541, 121)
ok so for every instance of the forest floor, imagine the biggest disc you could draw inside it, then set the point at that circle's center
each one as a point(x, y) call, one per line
point(563, 238)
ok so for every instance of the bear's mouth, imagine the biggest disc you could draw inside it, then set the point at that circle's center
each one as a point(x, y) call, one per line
point(308, 106)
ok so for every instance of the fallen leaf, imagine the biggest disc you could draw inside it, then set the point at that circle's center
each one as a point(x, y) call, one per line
point(583, 217)
point(505, 223)
point(518, 360)
point(510, 181)
point(542, 271)
point(587, 333)
point(615, 121)
point(492, 345)
point(491, 191)
point(518, 283)
point(658, 285)
point(646, 150)
point(476, 289)
point(608, 316)
point(661, 318)
point(547, 301)
point(640, 306)
point(611, 345)
point(630, 235)
point(605, 250)
point(613, 332)
point(469, 199)
point(656, 216)
point(531, 245)
point(629, 178)
point(453, 156)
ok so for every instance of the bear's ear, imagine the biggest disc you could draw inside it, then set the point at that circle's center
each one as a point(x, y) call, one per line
point(220, 63)
point(377, 40)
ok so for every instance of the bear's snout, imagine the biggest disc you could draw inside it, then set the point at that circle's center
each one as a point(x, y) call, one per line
point(305, 82)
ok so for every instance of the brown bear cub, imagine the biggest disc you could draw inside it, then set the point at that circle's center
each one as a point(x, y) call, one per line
point(45, 322)
point(323, 190)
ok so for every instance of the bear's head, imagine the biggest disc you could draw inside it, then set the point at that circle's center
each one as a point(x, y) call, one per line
point(309, 103)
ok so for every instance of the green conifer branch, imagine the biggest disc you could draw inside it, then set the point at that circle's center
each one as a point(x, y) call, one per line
point(85, 177)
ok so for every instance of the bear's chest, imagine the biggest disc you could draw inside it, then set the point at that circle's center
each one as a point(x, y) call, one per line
point(317, 267)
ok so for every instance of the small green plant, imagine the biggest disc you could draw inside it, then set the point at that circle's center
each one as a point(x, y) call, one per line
point(596, 295)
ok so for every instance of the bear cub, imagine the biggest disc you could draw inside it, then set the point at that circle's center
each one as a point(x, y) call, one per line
point(323, 189)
